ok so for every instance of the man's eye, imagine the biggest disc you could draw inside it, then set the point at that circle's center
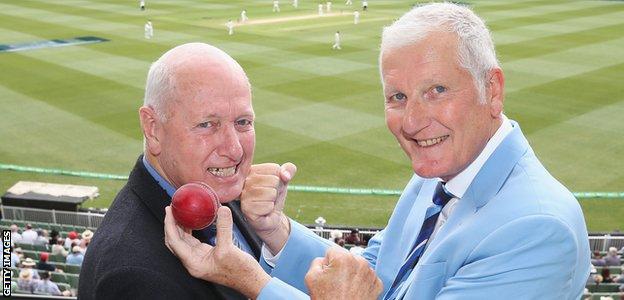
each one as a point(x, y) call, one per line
point(398, 97)
point(205, 125)
point(439, 89)
point(243, 122)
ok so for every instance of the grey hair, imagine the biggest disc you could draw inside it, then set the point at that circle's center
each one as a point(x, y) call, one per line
point(475, 48)
point(158, 87)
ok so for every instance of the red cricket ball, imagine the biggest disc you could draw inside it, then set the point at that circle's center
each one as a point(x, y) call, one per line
point(194, 205)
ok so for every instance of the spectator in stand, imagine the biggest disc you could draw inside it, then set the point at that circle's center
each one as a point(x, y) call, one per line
point(45, 285)
point(28, 263)
point(29, 235)
point(26, 281)
point(353, 238)
point(54, 236)
point(592, 275)
point(606, 275)
point(16, 237)
point(357, 249)
point(58, 248)
point(42, 238)
point(620, 277)
point(341, 243)
point(335, 235)
point(597, 259)
point(43, 263)
point(86, 239)
point(15, 259)
point(612, 258)
point(72, 237)
point(76, 257)
point(20, 253)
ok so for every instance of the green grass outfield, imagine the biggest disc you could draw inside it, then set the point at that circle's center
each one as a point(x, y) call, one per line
point(75, 107)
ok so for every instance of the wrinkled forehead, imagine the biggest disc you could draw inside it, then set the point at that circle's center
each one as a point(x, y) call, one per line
point(209, 78)
point(432, 45)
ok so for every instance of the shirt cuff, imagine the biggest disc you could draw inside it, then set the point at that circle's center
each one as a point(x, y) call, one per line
point(269, 258)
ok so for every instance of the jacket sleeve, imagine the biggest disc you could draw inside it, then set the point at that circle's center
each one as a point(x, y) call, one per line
point(533, 257)
point(302, 247)
point(372, 250)
point(138, 283)
point(279, 290)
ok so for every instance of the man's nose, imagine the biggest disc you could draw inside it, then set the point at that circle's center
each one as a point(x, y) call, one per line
point(229, 144)
point(414, 118)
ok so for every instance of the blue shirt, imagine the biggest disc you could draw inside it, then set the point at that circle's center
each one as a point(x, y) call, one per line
point(74, 259)
point(239, 239)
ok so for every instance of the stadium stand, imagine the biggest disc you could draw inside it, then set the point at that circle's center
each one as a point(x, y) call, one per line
point(68, 279)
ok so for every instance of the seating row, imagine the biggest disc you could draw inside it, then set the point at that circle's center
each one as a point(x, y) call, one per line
point(59, 278)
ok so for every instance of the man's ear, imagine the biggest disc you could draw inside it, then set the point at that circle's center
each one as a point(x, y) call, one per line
point(496, 91)
point(150, 123)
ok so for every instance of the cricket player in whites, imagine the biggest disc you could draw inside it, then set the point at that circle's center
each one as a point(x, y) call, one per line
point(295, 3)
point(276, 6)
point(149, 30)
point(356, 17)
point(349, 2)
point(230, 27)
point(336, 41)
point(320, 9)
point(244, 18)
point(328, 5)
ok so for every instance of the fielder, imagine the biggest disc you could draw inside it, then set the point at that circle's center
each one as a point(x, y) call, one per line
point(336, 41)
point(356, 17)
point(276, 6)
point(320, 9)
point(244, 18)
point(149, 30)
point(230, 27)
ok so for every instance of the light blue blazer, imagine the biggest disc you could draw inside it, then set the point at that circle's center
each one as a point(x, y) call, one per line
point(516, 234)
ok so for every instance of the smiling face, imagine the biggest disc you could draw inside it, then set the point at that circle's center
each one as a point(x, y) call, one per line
point(432, 106)
point(208, 135)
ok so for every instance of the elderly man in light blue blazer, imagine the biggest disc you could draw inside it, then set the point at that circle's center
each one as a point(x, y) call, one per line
point(481, 218)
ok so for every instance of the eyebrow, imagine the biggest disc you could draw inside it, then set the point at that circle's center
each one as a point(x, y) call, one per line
point(216, 116)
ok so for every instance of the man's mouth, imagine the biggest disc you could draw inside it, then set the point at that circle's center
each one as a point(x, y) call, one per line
point(223, 172)
point(431, 142)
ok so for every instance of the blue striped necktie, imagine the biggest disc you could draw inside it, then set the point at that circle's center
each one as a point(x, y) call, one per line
point(440, 198)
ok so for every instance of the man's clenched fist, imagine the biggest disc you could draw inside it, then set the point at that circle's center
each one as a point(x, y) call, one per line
point(342, 275)
point(262, 202)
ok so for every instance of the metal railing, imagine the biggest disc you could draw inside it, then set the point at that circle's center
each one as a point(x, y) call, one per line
point(603, 242)
point(87, 219)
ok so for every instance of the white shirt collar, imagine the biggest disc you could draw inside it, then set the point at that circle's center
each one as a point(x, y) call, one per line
point(459, 184)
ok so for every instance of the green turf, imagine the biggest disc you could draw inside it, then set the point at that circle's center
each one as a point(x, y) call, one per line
point(76, 107)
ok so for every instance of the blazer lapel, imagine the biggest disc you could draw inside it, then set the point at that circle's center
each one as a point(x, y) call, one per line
point(154, 197)
point(486, 184)
point(417, 215)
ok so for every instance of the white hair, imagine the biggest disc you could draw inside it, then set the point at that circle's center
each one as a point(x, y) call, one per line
point(161, 82)
point(475, 47)
point(159, 86)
